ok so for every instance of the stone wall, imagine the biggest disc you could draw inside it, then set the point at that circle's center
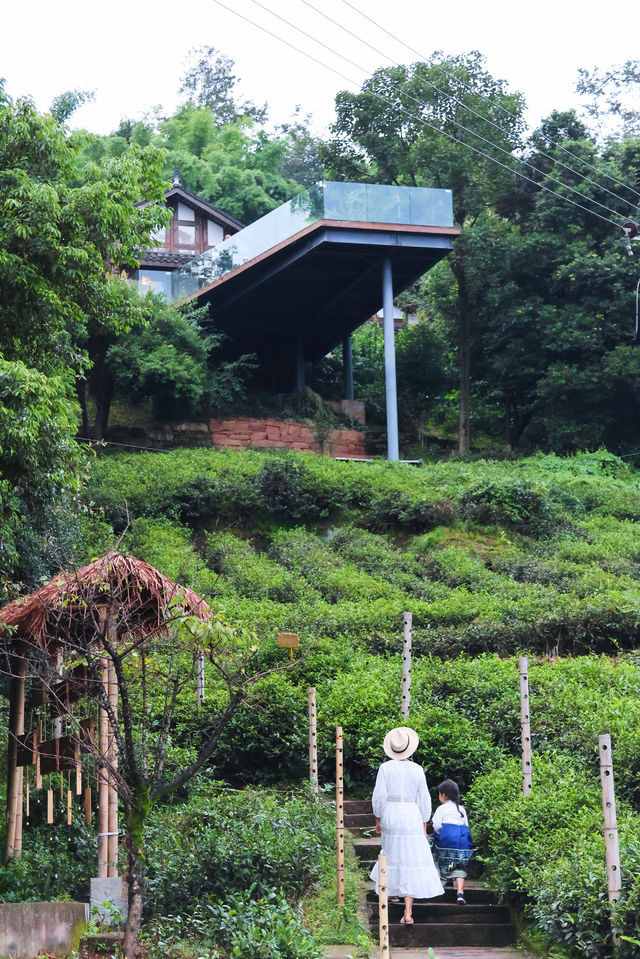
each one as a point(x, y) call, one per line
point(28, 929)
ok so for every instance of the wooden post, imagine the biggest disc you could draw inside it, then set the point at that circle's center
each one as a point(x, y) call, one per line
point(49, 805)
point(14, 772)
point(406, 664)
point(87, 805)
point(383, 907)
point(313, 745)
point(340, 816)
point(200, 676)
point(525, 723)
point(611, 846)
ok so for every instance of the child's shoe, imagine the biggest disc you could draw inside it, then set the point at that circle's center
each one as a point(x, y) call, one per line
point(461, 900)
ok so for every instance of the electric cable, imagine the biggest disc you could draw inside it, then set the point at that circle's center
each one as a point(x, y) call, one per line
point(500, 107)
point(420, 120)
point(424, 122)
point(424, 82)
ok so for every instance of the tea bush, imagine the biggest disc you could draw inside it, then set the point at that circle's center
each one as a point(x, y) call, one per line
point(221, 843)
point(548, 847)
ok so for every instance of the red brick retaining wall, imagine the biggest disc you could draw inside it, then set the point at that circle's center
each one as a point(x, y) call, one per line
point(271, 434)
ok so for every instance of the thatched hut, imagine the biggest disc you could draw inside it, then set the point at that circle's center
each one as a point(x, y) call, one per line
point(78, 615)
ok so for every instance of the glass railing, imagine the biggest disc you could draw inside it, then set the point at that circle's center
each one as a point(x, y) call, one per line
point(346, 202)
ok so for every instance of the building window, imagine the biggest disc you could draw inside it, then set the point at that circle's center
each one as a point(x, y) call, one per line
point(186, 236)
point(186, 213)
point(215, 233)
point(154, 281)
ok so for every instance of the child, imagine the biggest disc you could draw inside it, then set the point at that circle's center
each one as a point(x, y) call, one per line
point(452, 843)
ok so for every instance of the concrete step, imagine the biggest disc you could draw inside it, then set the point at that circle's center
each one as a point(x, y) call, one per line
point(438, 911)
point(450, 934)
point(355, 806)
point(474, 893)
point(359, 820)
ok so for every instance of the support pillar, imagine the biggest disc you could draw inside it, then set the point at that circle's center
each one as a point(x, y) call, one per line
point(300, 364)
point(393, 452)
point(14, 772)
point(347, 355)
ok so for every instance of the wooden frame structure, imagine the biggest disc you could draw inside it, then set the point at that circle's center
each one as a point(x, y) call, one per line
point(79, 615)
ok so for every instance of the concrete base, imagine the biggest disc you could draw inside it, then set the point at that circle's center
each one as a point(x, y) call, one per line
point(109, 900)
point(29, 929)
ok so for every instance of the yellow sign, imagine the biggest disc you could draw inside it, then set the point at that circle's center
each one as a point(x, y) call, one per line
point(288, 641)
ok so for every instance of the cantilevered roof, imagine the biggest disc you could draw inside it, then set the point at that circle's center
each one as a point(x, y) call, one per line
point(311, 270)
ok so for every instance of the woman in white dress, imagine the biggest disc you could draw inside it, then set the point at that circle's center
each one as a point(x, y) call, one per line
point(402, 807)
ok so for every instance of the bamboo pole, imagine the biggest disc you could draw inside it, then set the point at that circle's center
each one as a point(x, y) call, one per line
point(103, 787)
point(14, 780)
point(612, 850)
point(340, 816)
point(87, 805)
point(313, 743)
point(49, 805)
point(112, 848)
point(406, 664)
point(17, 840)
point(69, 807)
point(525, 723)
point(38, 741)
point(383, 907)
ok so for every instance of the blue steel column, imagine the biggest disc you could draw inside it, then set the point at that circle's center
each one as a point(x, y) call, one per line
point(347, 358)
point(393, 452)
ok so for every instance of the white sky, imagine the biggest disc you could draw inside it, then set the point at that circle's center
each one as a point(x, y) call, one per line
point(132, 54)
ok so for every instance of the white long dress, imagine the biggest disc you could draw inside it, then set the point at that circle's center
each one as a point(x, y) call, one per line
point(402, 801)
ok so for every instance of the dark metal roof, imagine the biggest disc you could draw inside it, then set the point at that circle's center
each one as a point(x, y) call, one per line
point(319, 285)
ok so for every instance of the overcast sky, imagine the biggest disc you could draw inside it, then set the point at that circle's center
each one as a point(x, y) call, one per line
point(132, 54)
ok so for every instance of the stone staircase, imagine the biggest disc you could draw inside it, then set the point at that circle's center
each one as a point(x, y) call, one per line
point(437, 922)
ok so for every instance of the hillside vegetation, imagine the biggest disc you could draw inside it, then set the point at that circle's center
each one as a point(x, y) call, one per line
point(494, 559)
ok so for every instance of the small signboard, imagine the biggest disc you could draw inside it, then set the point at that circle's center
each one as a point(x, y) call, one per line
point(288, 641)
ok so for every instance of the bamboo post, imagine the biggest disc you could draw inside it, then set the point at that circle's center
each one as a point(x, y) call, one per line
point(383, 907)
point(49, 805)
point(103, 787)
point(612, 850)
point(38, 741)
point(69, 807)
point(87, 805)
point(313, 744)
point(14, 772)
point(525, 723)
point(340, 816)
point(112, 847)
point(200, 675)
point(406, 664)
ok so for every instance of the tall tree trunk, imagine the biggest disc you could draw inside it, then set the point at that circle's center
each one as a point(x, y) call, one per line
point(136, 816)
point(464, 361)
point(81, 390)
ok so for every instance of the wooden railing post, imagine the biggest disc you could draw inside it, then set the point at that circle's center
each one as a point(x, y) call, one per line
point(383, 907)
point(525, 723)
point(406, 664)
point(340, 816)
point(313, 745)
point(611, 845)
point(14, 772)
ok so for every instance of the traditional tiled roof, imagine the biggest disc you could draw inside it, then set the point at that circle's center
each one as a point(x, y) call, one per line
point(161, 257)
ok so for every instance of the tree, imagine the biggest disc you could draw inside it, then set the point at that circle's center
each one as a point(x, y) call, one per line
point(172, 362)
point(613, 105)
point(66, 104)
point(209, 82)
point(129, 627)
point(59, 240)
point(420, 125)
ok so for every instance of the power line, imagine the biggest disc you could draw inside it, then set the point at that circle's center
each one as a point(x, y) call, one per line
point(417, 118)
point(454, 99)
point(503, 109)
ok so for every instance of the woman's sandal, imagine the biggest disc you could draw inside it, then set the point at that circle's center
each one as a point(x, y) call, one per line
point(406, 922)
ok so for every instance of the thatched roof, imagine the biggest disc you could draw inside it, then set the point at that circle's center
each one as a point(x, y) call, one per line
point(66, 606)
